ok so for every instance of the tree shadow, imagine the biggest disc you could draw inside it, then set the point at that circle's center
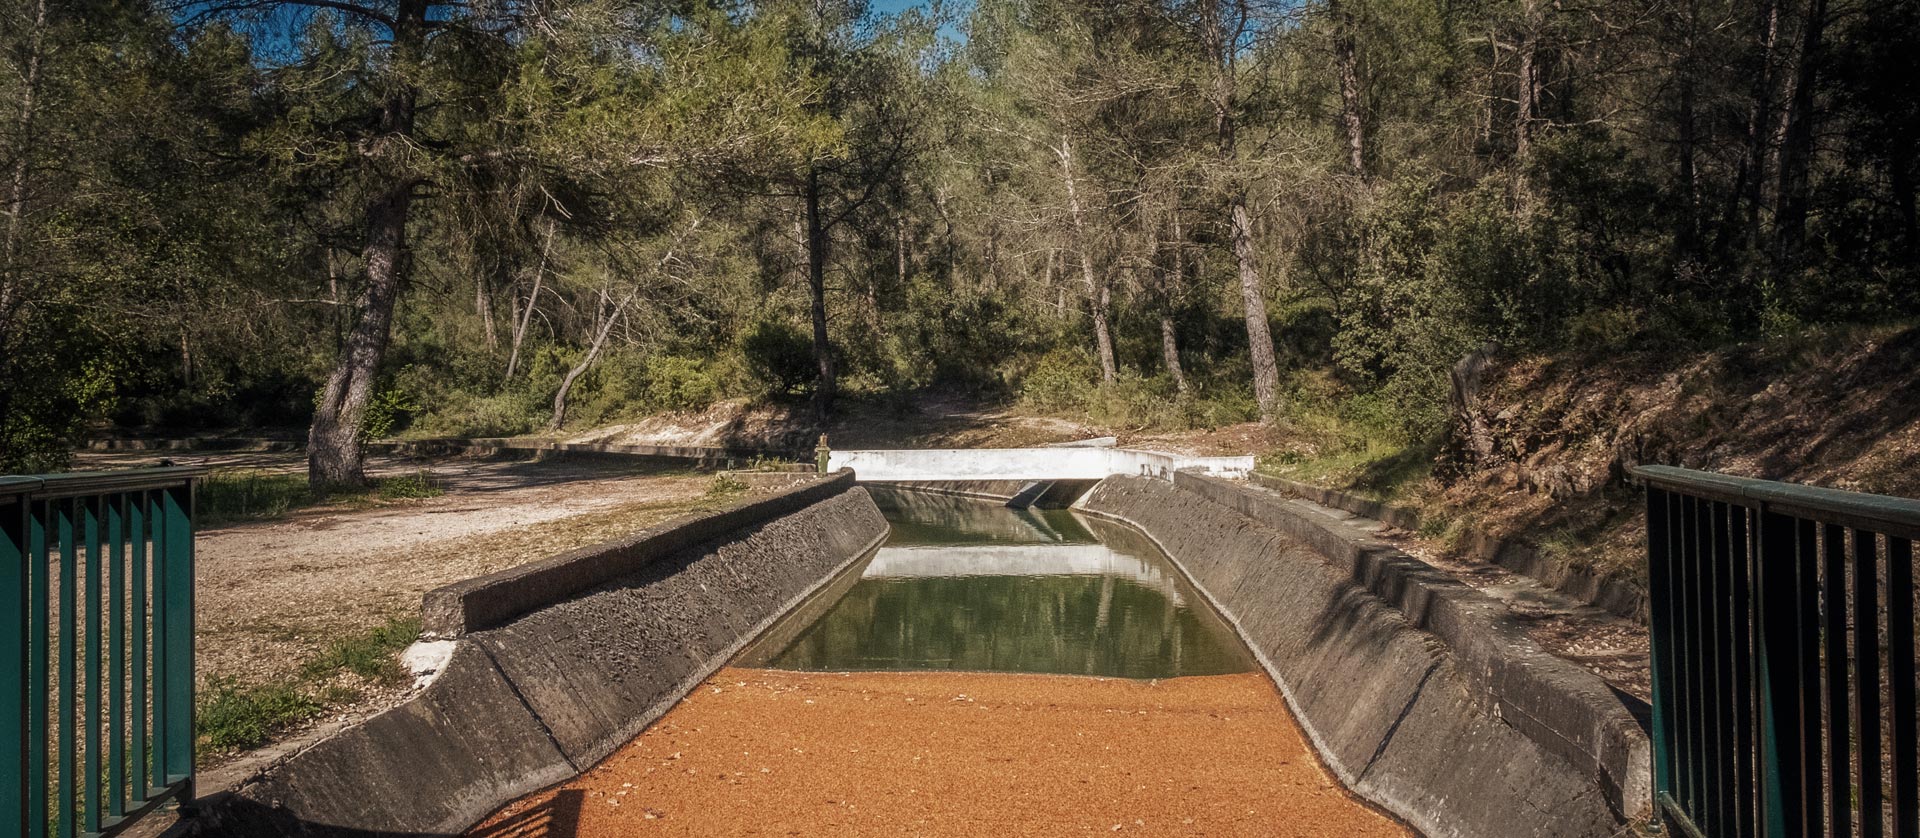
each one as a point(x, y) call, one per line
point(556, 817)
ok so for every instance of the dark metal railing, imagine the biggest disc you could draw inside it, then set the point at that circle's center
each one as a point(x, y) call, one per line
point(1783, 628)
point(96, 649)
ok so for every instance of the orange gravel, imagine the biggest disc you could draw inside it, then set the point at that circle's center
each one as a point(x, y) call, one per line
point(761, 752)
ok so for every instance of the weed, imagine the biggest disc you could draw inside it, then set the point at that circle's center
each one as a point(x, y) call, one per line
point(232, 717)
point(725, 486)
point(249, 495)
point(372, 654)
point(415, 486)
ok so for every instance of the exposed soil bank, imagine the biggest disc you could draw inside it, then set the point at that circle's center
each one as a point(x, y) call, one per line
point(759, 752)
point(1402, 719)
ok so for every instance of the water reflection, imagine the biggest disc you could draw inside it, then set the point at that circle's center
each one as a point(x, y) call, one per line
point(970, 585)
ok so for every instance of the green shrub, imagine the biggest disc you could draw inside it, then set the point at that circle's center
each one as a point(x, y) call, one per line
point(779, 357)
point(725, 486)
point(1063, 379)
point(467, 416)
point(677, 383)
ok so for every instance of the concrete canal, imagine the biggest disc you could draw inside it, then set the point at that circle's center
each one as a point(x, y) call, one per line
point(985, 672)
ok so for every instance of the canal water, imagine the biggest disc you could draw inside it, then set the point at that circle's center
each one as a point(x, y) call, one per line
point(969, 585)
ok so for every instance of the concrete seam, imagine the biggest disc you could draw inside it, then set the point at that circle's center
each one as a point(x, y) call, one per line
point(1405, 711)
point(520, 697)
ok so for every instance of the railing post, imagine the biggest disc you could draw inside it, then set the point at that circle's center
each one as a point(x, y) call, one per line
point(1777, 648)
point(178, 636)
point(13, 669)
point(1659, 620)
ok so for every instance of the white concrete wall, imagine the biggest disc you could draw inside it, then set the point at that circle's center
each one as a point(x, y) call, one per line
point(1026, 464)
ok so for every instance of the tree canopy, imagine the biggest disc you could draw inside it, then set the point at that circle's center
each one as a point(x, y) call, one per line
point(362, 217)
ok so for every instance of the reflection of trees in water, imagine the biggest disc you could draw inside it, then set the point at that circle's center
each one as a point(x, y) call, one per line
point(1090, 625)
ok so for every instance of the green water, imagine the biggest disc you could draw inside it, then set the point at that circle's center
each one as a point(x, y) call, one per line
point(970, 585)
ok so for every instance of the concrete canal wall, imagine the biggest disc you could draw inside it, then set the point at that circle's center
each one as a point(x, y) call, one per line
point(1417, 691)
point(552, 666)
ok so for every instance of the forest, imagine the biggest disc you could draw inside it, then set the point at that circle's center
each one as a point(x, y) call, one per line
point(363, 218)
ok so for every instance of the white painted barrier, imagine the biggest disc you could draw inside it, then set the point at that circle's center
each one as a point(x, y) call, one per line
point(958, 464)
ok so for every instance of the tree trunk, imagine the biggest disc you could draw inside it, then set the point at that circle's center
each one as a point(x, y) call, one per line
point(1350, 106)
point(1526, 93)
point(1170, 351)
point(1097, 292)
point(817, 288)
point(1796, 148)
point(1688, 239)
point(1266, 368)
point(11, 291)
point(1172, 283)
point(600, 336)
point(533, 304)
point(483, 309)
point(334, 455)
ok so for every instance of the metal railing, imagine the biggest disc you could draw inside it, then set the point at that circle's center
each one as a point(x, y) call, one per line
point(1783, 628)
point(96, 649)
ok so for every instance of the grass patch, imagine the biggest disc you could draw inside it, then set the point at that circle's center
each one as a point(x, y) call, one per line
point(233, 496)
point(232, 717)
point(373, 654)
point(235, 717)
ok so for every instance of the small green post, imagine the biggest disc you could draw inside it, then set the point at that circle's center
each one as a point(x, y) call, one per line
point(821, 454)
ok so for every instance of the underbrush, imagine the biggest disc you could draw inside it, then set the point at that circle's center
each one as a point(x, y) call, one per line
point(235, 717)
point(233, 496)
point(1067, 383)
point(1360, 443)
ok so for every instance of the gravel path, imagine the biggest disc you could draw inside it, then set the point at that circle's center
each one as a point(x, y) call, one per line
point(761, 752)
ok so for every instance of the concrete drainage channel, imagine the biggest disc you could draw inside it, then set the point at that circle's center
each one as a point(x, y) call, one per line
point(1421, 698)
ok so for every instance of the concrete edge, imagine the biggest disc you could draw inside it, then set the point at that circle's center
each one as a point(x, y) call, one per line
point(484, 602)
point(1610, 592)
point(1566, 709)
point(1323, 749)
point(468, 737)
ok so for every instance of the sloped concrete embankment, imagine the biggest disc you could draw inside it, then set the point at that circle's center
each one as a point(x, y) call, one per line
point(1415, 694)
point(554, 665)
point(1611, 592)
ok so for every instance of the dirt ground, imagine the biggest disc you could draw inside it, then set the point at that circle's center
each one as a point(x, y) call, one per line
point(271, 594)
point(760, 752)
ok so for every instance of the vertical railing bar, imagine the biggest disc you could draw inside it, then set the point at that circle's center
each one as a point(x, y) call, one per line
point(90, 757)
point(1900, 664)
point(69, 566)
point(157, 772)
point(1688, 664)
point(179, 638)
point(1866, 694)
point(41, 566)
point(1699, 806)
point(137, 524)
point(1724, 804)
point(1839, 735)
point(1806, 587)
point(1778, 623)
point(15, 559)
point(1659, 565)
point(1742, 642)
point(116, 656)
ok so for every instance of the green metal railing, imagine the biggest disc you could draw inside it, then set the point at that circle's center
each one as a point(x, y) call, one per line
point(96, 685)
point(1783, 629)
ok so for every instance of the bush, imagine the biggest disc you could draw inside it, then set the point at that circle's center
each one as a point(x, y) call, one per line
point(413, 486)
point(779, 357)
point(466, 415)
point(1062, 380)
point(677, 383)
